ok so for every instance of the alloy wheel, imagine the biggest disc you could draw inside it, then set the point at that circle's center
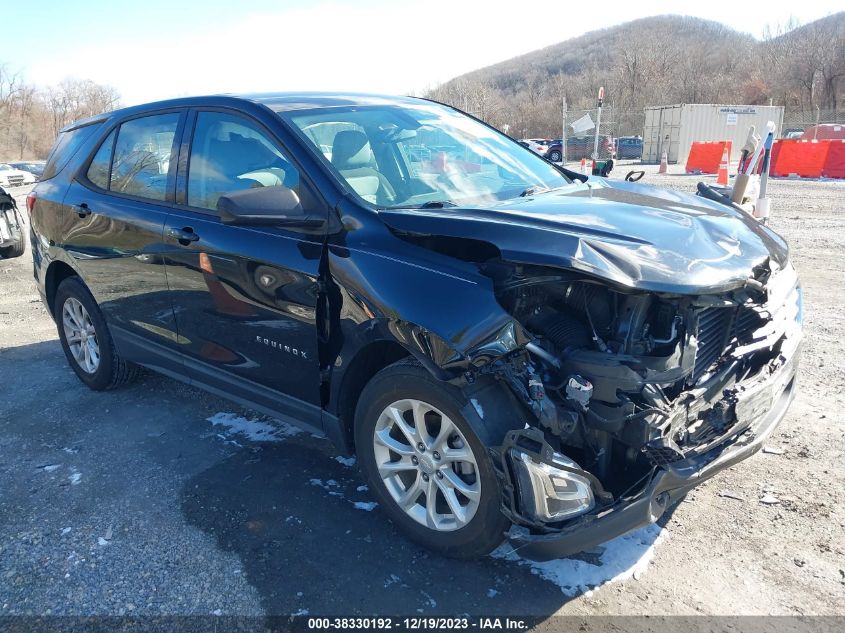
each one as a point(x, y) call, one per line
point(427, 465)
point(80, 335)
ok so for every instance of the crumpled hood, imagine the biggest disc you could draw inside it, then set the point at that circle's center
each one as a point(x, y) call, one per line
point(630, 234)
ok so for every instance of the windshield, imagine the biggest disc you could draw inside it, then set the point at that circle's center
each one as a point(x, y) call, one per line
point(5, 167)
point(422, 155)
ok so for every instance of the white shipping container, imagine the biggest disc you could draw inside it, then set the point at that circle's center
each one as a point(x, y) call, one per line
point(673, 128)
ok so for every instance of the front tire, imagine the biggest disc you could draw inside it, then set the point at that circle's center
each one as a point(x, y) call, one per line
point(86, 340)
point(555, 156)
point(422, 460)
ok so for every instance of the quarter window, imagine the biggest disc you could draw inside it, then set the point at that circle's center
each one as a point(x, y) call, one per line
point(98, 170)
point(142, 156)
point(228, 154)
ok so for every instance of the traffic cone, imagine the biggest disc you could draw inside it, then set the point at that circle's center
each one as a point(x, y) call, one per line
point(583, 165)
point(664, 163)
point(722, 176)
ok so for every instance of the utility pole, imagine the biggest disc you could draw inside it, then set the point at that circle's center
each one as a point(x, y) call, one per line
point(598, 123)
point(563, 134)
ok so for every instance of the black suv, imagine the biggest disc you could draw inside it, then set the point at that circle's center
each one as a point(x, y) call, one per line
point(512, 350)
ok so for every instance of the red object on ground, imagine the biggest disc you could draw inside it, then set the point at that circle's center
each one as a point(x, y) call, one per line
point(801, 158)
point(706, 156)
point(724, 168)
point(834, 166)
point(825, 131)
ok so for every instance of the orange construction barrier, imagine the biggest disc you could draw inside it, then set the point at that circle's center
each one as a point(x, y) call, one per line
point(800, 158)
point(834, 166)
point(705, 156)
point(724, 168)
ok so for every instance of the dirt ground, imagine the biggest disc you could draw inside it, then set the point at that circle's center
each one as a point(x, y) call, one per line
point(161, 499)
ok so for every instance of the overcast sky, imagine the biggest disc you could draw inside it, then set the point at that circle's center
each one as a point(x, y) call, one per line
point(155, 49)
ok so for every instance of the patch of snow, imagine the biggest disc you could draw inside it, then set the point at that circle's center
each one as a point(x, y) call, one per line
point(101, 541)
point(392, 579)
point(431, 601)
point(346, 461)
point(362, 488)
point(65, 530)
point(217, 612)
point(478, 408)
point(293, 519)
point(369, 506)
point(329, 486)
point(301, 612)
point(254, 429)
point(622, 558)
point(492, 593)
point(50, 467)
point(75, 478)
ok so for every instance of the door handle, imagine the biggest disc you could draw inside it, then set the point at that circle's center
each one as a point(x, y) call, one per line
point(184, 235)
point(81, 210)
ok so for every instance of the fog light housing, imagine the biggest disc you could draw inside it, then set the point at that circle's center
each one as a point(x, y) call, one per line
point(548, 493)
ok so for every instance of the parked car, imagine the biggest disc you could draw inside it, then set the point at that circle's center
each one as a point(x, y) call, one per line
point(825, 131)
point(578, 147)
point(629, 147)
point(511, 350)
point(533, 145)
point(34, 167)
point(11, 177)
point(11, 227)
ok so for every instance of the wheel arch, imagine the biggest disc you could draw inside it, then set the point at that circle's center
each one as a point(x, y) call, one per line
point(367, 362)
point(57, 272)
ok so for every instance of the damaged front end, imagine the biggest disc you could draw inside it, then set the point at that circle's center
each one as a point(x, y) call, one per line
point(634, 397)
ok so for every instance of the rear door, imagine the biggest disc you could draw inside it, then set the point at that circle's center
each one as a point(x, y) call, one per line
point(114, 212)
point(245, 297)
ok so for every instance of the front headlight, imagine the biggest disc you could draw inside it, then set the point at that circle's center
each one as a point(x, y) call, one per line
point(548, 493)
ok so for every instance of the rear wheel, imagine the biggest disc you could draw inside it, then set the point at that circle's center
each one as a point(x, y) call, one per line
point(429, 470)
point(86, 340)
point(15, 250)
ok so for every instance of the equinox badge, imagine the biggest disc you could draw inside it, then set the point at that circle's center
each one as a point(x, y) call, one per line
point(283, 348)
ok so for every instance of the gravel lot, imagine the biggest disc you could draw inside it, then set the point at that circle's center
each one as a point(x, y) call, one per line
point(160, 499)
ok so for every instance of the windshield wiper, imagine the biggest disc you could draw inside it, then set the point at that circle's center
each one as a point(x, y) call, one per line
point(437, 204)
point(530, 191)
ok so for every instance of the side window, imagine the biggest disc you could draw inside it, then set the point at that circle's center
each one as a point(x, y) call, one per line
point(142, 156)
point(66, 146)
point(98, 170)
point(230, 153)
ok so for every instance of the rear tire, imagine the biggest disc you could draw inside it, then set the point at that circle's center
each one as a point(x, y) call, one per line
point(464, 519)
point(15, 250)
point(86, 339)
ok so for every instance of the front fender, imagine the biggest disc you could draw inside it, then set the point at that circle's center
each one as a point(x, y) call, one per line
point(444, 313)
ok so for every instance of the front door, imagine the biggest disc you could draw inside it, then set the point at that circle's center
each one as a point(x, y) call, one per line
point(245, 297)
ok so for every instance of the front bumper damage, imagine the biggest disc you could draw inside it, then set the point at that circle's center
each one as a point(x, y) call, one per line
point(762, 402)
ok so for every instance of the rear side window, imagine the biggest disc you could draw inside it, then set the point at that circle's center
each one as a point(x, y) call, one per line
point(142, 155)
point(98, 170)
point(66, 146)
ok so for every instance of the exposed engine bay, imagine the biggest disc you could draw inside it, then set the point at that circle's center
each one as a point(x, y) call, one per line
point(623, 382)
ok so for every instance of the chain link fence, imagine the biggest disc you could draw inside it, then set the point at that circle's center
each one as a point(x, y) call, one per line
point(796, 122)
point(614, 127)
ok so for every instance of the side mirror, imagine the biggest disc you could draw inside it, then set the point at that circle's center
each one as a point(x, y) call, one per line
point(265, 206)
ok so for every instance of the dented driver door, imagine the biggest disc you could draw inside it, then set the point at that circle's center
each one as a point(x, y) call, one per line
point(245, 297)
